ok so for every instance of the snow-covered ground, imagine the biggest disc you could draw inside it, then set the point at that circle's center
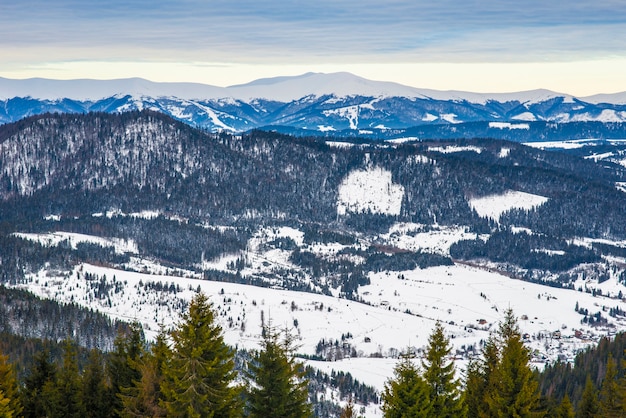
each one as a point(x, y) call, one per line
point(56, 238)
point(494, 206)
point(370, 190)
point(398, 309)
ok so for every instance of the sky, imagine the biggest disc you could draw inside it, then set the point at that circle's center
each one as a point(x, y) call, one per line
point(576, 46)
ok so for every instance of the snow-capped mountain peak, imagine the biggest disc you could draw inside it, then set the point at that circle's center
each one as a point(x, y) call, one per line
point(312, 102)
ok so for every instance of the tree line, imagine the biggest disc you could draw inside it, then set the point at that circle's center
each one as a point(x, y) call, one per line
point(191, 372)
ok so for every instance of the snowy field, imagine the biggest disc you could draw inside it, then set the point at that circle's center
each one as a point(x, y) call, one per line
point(370, 190)
point(494, 206)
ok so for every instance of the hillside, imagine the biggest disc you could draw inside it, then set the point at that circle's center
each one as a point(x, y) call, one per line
point(132, 214)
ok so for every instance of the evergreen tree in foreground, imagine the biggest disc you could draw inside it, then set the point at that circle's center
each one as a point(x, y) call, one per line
point(130, 347)
point(565, 409)
point(610, 393)
point(95, 394)
point(198, 381)
point(8, 389)
point(276, 383)
point(406, 395)
point(439, 373)
point(145, 398)
point(512, 388)
point(38, 385)
point(588, 406)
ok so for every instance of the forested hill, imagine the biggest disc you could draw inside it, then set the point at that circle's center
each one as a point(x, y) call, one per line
point(62, 172)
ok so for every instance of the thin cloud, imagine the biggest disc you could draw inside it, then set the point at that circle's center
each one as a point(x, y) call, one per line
point(301, 31)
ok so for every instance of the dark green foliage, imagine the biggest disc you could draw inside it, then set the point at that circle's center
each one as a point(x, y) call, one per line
point(277, 385)
point(199, 375)
point(501, 384)
point(439, 374)
point(37, 384)
point(66, 400)
point(24, 314)
point(406, 394)
point(145, 398)
point(559, 379)
point(512, 389)
point(123, 361)
point(95, 394)
point(521, 249)
point(611, 395)
point(10, 402)
point(588, 407)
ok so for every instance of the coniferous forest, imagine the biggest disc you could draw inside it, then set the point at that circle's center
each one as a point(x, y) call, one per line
point(189, 371)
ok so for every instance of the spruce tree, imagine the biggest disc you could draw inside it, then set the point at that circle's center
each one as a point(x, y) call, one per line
point(129, 347)
point(9, 386)
point(95, 394)
point(198, 381)
point(610, 394)
point(406, 395)
point(512, 391)
point(145, 398)
point(5, 409)
point(565, 409)
point(475, 385)
point(588, 407)
point(439, 373)
point(276, 383)
point(67, 403)
point(38, 383)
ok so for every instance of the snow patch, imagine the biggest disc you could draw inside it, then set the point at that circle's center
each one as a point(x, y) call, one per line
point(53, 239)
point(495, 205)
point(371, 190)
point(507, 125)
point(350, 112)
point(450, 117)
point(526, 116)
point(455, 148)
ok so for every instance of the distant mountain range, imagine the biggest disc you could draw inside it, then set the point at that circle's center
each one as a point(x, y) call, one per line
point(330, 104)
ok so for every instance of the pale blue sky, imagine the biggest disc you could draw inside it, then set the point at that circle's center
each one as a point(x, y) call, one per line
point(576, 46)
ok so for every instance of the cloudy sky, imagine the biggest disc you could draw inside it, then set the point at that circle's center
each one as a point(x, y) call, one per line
point(574, 46)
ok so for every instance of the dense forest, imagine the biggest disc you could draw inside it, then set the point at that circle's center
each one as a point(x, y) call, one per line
point(95, 174)
point(190, 371)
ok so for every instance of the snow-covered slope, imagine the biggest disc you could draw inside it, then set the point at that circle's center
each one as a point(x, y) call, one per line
point(312, 101)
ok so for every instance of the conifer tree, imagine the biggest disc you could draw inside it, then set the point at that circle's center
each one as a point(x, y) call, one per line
point(38, 385)
point(475, 384)
point(406, 395)
point(5, 409)
point(512, 391)
point(95, 395)
point(610, 395)
point(67, 403)
point(144, 398)
point(199, 377)
point(565, 409)
point(276, 383)
point(348, 411)
point(129, 347)
point(9, 386)
point(439, 373)
point(588, 406)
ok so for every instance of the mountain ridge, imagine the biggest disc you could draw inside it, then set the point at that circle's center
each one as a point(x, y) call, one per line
point(316, 104)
